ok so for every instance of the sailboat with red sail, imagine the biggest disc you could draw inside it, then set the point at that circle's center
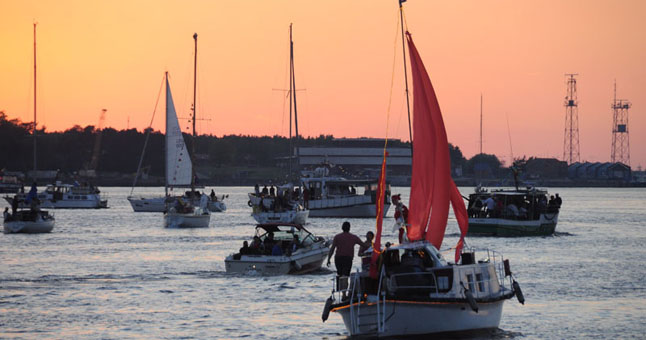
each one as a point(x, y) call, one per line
point(410, 287)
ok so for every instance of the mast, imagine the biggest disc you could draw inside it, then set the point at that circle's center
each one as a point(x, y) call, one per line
point(166, 142)
point(194, 112)
point(410, 129)
point(290, 102)
point(292, 93)
point(34, 131)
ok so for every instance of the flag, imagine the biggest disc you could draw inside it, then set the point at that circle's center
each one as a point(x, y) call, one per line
point(381, 194)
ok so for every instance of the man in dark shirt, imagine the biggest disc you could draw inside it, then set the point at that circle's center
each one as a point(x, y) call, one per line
point(344, 244)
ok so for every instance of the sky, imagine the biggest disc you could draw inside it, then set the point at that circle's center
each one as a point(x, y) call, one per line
point(348, 60)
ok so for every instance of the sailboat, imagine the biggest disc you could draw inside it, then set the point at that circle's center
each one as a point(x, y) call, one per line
point(31, 220)
point(179, 172)
point(410, 288)
point(158, 204)
point(284, 205)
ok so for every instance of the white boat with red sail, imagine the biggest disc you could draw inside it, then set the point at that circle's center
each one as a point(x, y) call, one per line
point(410, 288)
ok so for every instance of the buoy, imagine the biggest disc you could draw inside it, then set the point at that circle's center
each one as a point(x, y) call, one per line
point(471, 299)
point(518, 292)
point(326, 309)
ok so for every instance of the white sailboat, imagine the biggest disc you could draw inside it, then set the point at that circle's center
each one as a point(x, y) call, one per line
point(32, 220)
point(179, 172)
point(267, 208)
point(158, 204)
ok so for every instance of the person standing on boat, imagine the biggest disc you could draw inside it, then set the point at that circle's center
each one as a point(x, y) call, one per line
point(343, 244)
point(365, 260)
point(490, 204)
point(558, 201)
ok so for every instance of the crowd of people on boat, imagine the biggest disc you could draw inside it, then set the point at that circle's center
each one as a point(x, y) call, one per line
point(521, 207)
point(24, 215)
point(280, 198)
point(270, 246)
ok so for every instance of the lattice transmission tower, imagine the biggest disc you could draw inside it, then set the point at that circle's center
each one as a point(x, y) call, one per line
point(620, 142)
point(571, 135)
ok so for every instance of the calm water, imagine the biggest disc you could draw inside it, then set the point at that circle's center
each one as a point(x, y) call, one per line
point(116, 274)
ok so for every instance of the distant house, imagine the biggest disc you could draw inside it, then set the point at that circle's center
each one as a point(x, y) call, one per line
point(546, 168)
point(599, 172)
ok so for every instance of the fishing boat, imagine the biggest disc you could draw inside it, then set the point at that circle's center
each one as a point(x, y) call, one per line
point(181, 213)
point(283, 206)
point(410, 288)
point(516, 212)
point(334, 196)
point(158, 203)
point(278, 249)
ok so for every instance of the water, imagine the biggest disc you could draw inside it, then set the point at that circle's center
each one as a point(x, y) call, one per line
point(116, 274)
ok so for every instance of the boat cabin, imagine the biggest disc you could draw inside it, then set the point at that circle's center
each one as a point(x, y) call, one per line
point(526, 204)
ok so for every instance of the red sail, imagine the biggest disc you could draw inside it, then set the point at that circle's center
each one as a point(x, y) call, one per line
point(376, 246)
point(431, 184)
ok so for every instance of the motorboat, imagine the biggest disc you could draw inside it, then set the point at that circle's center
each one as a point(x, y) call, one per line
point(419, 292)
point(186, 215)
point(158, 203)
point(282, 205)
point(294, 250)
point(65, 196)
point(519, 212)
point(29, 222)
point(333, 196)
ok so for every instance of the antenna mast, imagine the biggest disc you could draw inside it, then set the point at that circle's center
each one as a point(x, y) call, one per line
point(620, 141)
point(292, 94)
point(571, 135)
point(194, 112)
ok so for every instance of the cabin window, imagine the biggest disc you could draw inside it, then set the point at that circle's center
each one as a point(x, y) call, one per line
point(481, 286)
point(470, 282)
point(443, 283)
point(84, 197)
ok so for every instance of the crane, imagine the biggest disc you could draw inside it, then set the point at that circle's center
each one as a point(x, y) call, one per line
point(90, 170)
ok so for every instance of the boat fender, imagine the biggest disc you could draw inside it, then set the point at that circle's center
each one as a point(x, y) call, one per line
point(326, 308)
point(249, 203)
point(296, 265)
point(518, 292)
point(470, 298)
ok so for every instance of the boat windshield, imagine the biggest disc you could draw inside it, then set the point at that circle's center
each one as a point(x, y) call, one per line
point(287, 233)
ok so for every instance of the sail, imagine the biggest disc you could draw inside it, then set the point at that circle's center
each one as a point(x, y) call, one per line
point(381, 194)
point(178, 162)
point(432, 187)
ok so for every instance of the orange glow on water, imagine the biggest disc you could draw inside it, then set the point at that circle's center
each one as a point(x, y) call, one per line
point(94, 55)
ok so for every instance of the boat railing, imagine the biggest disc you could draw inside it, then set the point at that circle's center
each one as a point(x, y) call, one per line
point(414, 282)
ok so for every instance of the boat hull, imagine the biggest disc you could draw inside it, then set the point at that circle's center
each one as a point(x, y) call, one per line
point(414, 318)
point(47, 202)
point(175, 220)
point(545, 225)
point(28, 227)
point(158, 204)
point(298, 263)
point(290, 216)
point(321, 208)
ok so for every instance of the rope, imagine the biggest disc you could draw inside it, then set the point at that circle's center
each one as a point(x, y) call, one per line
point(143, 152)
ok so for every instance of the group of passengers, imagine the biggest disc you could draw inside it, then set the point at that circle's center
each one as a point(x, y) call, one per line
point(516, 207)
point(282, 199)
point(271, 246)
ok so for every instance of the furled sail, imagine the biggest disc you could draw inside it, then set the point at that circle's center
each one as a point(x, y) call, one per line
point(178, 162)
point(432, 187)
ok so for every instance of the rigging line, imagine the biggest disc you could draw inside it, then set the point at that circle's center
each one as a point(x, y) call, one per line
point(148, 130)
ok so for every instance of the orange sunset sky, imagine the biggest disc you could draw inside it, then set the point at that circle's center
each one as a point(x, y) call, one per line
point(112, 54)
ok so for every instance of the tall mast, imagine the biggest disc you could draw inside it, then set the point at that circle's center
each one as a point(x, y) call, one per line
point(290, 102)
point(35, 123)
point(410, 129)
point(166, 141)
point(194, 111)
point(292, 93)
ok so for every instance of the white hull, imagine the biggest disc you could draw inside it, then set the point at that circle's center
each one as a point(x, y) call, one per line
point(290, 216)
point(157, 204)
point(328, 208)
point(29, 227)
point(67, 202)
point(302, 261)
point(191, 220)
point(410, 318)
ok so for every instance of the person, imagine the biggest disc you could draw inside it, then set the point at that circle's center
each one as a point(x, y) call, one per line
point(6, 214)
point(276, 250)
point(213, 197)
point(245, 250)
point(14, 205)
point(265, 191)
point(306, 197)
point(490, 204)
point(296, 243)
point(551, 201)
point(558, 201)
point(343, 244)
point(256, 189)
point(401, 217)
point(365, 261)
point(269, 243)
point(272, 191)
point(256, 247)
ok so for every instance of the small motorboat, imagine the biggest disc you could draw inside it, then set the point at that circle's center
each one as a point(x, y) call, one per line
point(184, 215)
point(284, 206)
point(28, 221)
point(279, 249)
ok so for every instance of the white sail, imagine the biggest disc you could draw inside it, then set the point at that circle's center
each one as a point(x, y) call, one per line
point(178, 162)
